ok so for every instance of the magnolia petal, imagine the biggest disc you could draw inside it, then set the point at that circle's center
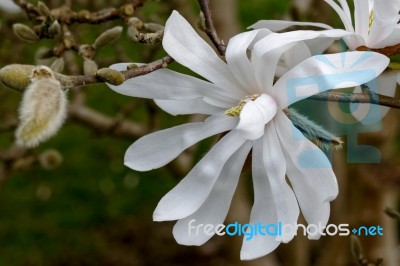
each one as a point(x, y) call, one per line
point(386, 85)
point(159, 148)
point(265, 62)
point(188, 106)
point(320, 45)
point(390, 40)
point(274, 41)
point(324, 72)
point(386, 17)
point(309, 172)
point(183, 43)
point(237, 58)
point(344, 15)
point(170, 85)
point(193, 190)
point(278, 25)
point(263, 211)
point(361, 18)
point(215, 208)
point(345, 7)
point(285, 201)
point(254, 115)
point(292, 57)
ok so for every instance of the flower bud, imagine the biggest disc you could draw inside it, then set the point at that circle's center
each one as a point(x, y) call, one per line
point(110, 76)
point(43, 108)
point(44, 9)
point(55, 29)
point(16, 76)
point(58, 65)
point(25, 33)
point(107, 37)
point(89, 67)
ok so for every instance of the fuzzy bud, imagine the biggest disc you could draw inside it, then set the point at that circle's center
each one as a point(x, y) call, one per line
point(55, 29)
point(107, 37)
point(44, 9)
point(25, 33)
point(16, 76)
point(127, 10)
point(58, 65)
point(110, 76)
point(89, 67)
point(43, 108)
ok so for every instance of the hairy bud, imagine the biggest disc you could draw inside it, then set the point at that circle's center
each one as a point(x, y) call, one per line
point(89, 67)
point(58, 65)
point(16, 76)
point(107, 37)
point(55, 29)
point(110, 76)
point(25, 33)
point(44, 9)
point(43, 108)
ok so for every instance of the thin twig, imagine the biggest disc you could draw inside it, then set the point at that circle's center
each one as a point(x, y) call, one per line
point(68, 16)
point(210, 29)
point(74, 81)
point(370, 97)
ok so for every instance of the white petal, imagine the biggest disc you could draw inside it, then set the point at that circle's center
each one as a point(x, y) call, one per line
point(191, 192)
point(169, 85)
point(320, 45)
point(278, 25)
point(263, 210)
point(215, 208)
point(345, 7)
point(159, 148)
point(292, 57)
point(324, 72)
point(188, 106)
point(274, 41)
point(309, 172)
point(386, 17)
point(361, 18)
point(344, 15)
point(265, 61)
point(238, 61)
point(254, 115)
point(390, 40)
point(369, 114)
point(285, 201)
point(189, 49)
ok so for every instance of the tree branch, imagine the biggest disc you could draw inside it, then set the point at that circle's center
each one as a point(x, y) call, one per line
point(67, 16)
point(74, 81)
point(370, 97)
point(210, 29)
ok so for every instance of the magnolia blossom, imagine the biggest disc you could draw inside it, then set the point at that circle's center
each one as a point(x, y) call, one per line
point(242, 99)
point(375, 25)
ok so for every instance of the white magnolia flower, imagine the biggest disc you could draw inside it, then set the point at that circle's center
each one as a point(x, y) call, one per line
point(245, 82)
point(375, 25)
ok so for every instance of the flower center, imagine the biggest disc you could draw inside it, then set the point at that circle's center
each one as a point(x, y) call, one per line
point(254, 112)
point(235, 111)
